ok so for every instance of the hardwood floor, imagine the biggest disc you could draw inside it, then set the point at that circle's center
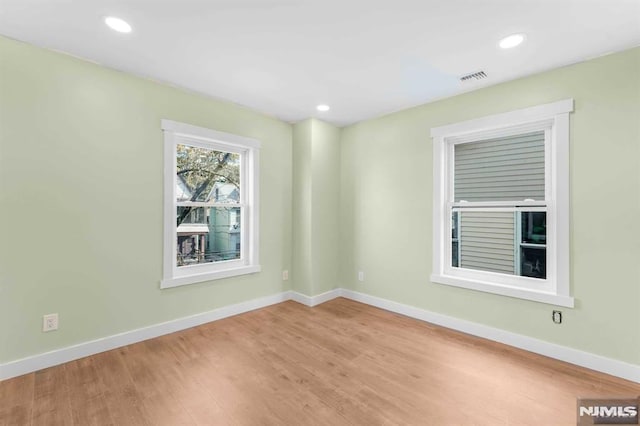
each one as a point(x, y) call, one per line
point(339, 363)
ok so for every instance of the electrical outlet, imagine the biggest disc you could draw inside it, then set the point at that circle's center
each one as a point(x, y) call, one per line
point(556, 316)
point(50, 322)
point(285, 275)
point(360, 276)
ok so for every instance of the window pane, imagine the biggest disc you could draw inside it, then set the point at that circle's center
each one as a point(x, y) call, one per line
point(207, 175)
point(533, 262)
point(191, 215)
point(455, 246)
point(534, 227)
point(500, 169)
point(207, 235)
point(487, 241)
point(533, 251)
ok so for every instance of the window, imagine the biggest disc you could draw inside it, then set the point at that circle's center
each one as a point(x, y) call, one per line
point(211, 205)
point(501, 204)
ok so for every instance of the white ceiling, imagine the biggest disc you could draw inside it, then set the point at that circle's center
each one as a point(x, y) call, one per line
point(364, 58)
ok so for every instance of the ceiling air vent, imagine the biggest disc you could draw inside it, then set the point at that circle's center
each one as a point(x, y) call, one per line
point(480, 75)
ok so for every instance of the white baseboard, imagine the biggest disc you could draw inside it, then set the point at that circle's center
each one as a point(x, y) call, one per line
point(574, 356)
point(81, 350)
point(315, 300)
point(552, 350)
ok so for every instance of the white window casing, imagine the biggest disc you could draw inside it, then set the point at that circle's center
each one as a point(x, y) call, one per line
point(490, 171)
point(176, 133)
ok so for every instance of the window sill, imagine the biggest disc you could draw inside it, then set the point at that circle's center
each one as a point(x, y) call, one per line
point(209, 276)
point(519, 293)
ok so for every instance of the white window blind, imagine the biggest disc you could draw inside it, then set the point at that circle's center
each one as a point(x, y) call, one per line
point(507, 168)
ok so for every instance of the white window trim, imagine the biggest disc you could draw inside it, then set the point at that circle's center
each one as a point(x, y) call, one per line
point(555, 289)
point(174, 133)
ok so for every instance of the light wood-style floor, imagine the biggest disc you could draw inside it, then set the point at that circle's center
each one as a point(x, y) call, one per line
point(340, 363)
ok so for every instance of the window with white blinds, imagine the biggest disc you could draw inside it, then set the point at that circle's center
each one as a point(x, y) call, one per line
point(501, 204)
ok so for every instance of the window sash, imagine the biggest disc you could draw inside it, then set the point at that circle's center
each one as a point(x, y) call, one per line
point(500, 168)
point(213, 233)
point(498, 204)
point(543, 284)
point(451, 142)
point(208, 204)
point(220, 147)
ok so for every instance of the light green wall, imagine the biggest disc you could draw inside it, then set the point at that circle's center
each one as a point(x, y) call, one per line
point(326, 198)
point(386, 208)
point(316, 187)
point(81, 189)
point(302, 206)
point(81, 172)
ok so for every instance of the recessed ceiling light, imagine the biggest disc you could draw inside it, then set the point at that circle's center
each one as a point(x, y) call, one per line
point(117, 24)
point(511, 41)
point(323, 108)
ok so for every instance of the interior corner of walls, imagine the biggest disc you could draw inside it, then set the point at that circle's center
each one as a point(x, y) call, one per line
point(315, 299)
point(315, 122)
point(301, 126)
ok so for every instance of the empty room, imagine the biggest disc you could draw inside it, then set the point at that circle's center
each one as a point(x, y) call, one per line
point(286, 212)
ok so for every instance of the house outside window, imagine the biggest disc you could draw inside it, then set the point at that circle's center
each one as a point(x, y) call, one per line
point(501, 204)
point(211, 204)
